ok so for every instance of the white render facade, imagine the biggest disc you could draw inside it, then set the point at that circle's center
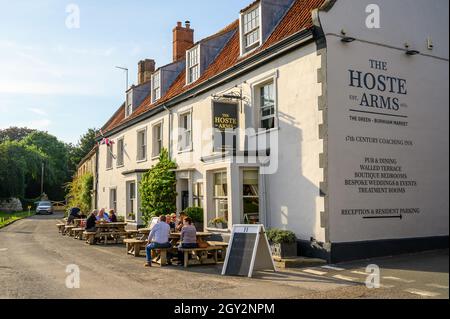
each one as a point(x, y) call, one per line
point(300, 179)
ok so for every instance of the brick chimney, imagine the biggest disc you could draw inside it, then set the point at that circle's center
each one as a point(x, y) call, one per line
point(145, 70)
point(183, 39)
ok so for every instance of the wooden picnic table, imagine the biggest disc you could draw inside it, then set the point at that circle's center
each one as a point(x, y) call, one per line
point(110, 230)
point(78, 222)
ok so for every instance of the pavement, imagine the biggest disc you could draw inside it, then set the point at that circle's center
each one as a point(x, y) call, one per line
point(34, 259)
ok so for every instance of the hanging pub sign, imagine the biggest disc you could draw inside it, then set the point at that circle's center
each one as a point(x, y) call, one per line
point(248, 251)
point(225, 122)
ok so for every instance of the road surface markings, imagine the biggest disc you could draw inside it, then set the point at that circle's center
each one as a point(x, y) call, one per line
point(332, 268)
point(315, 272)
point(3, 249)
point(437, 286)
point(422, 293)
point(345, 278)
point(399, 280)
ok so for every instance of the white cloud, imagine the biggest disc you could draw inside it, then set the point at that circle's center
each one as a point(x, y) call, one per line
point(37, 111)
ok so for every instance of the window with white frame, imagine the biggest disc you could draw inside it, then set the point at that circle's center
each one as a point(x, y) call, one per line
point(113, 199)
point(157, 139)
point(109, 157)
point(250, 29)
point(156, 86)
point(120, 152)
point(129, 104)
point(193, 64)
point(250, 196)
point(219, 216)
point(267, 108)
point(142, 145)
point(198, 194)
point(131, 201)
point(185, 134)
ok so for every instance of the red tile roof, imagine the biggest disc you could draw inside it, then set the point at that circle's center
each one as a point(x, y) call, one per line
point(296, 19)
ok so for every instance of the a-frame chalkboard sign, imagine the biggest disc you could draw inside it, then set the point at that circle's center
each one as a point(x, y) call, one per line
point(248, 251)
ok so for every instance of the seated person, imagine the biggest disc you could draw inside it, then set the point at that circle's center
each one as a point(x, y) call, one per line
point(171, 222)
point(158, 238)
point(180, 222)
point(74, 214)
point(112, 216)
point(188, 238)
point(102, 216)
point(90, 222)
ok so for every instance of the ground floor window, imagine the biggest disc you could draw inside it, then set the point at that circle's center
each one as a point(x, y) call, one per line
point(113, 199)
point(219, 217)
point(131, 201)
point(198, 194)
point(250, 196)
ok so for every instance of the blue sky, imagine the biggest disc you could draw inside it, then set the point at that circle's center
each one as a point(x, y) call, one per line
point(63, 80)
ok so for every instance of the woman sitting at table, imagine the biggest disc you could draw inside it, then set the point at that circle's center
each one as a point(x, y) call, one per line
point(112, 216)
point(180, 221)
point(188, 238)
point(102, 216)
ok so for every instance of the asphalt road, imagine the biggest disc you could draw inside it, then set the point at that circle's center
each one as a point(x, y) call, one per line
point(34, 258)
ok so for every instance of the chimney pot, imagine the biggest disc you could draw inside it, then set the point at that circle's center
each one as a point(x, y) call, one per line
point(183, 39)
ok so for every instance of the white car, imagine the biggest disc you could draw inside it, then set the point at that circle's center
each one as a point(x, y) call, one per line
point(44, 207)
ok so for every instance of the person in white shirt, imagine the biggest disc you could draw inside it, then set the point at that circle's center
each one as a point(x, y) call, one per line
point(158, 238)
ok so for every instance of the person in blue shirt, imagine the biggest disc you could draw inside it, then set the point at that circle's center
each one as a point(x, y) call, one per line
point(102, 215)
point(158, 238)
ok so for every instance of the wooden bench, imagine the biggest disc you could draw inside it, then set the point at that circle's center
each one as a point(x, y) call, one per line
point(159, 256)
point(90, 237)
point(61, 227)
point(223, 248)
point(68, 230)
point(78, 233)
point(134, 246)
point(200, 256)
point(130, 234)
point(115, 236)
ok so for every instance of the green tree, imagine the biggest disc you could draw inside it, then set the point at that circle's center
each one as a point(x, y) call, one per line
point(14, 133)
point(158, 188)
point(56, 165)
point(19, 163)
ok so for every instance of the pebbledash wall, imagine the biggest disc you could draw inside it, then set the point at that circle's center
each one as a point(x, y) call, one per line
point(352, 178)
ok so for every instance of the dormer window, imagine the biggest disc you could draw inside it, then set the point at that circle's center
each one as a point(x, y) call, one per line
point(156, 86)
point(250, 29)
point(193, 64)
point(129, 104)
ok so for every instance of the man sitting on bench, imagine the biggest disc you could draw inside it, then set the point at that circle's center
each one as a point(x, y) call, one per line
point(90, 222)
point(160, 236)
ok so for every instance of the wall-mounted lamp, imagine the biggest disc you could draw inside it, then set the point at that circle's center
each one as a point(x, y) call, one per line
point(345, 38)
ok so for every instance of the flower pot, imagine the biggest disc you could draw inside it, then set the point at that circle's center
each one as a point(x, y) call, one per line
point(284, 250)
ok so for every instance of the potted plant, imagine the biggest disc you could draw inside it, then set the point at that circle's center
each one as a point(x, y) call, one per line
point(219, 223)
point(283, 243)
point(196, 214)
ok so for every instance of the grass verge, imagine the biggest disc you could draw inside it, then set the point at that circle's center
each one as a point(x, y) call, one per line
point(8, 218)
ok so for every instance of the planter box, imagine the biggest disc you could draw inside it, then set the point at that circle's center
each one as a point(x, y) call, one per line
point(284, 250)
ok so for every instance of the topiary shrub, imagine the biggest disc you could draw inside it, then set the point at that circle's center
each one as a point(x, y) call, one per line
point(278, 236)
point(195, 213)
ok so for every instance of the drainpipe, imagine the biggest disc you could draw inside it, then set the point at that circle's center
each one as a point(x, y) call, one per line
point(170, 130)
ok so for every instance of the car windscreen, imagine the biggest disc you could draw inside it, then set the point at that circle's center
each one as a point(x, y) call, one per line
point(45, 204)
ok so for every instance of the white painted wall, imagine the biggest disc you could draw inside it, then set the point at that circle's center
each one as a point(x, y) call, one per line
point(292, 192)
point(425, 105)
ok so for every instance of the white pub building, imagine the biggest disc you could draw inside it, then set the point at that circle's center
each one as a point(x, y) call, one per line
point(326, 118)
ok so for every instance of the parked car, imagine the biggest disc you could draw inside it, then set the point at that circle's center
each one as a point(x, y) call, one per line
point(44, 207)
